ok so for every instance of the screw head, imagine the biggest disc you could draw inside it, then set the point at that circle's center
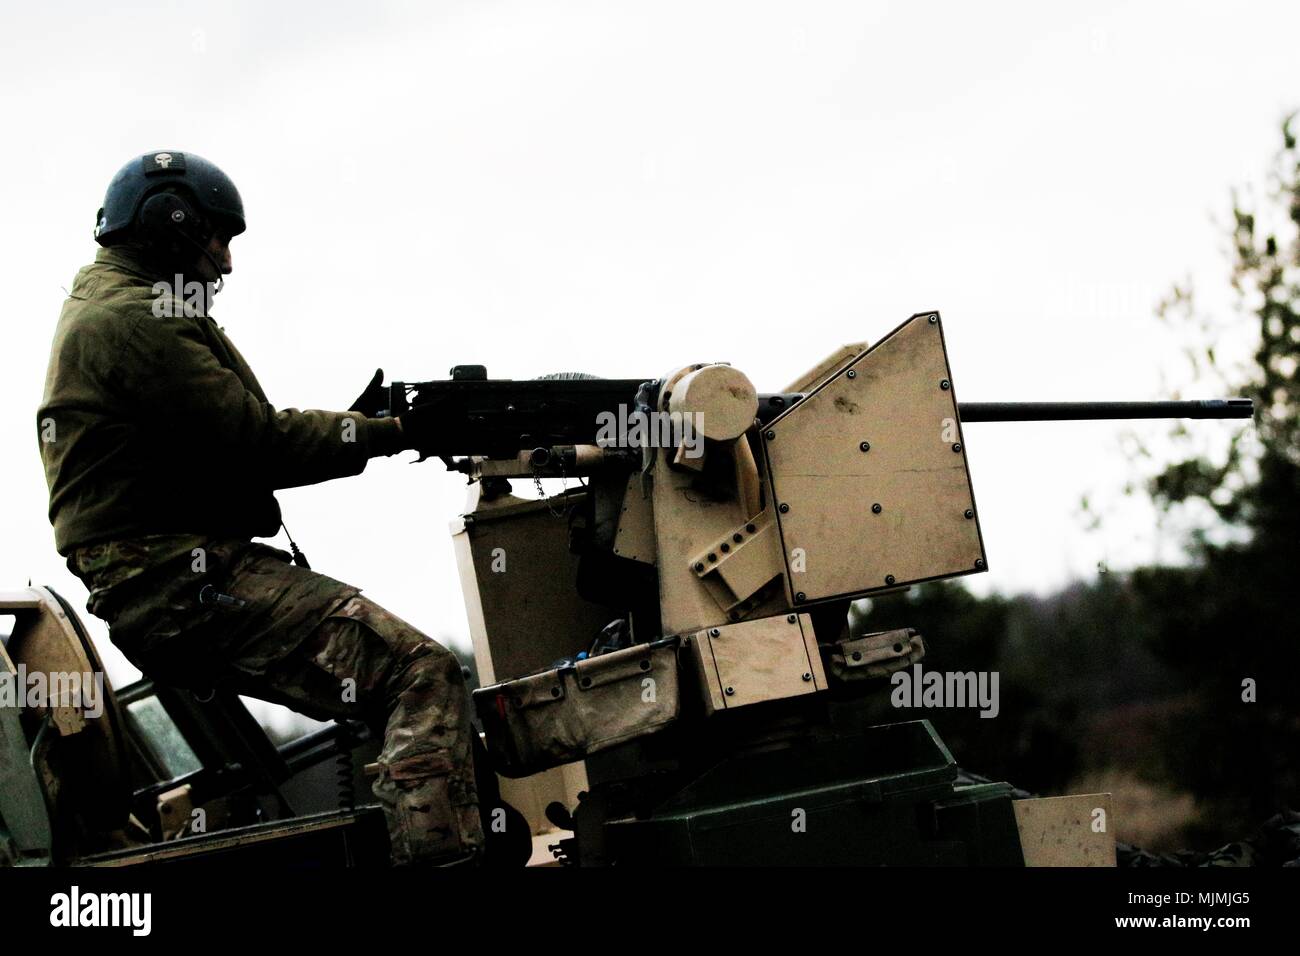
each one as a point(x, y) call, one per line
point(699, 565)
point(956, 446)
point(889, 579)
point(645, 665)
point(790, 618)
point(586, 682)
point(865, 446)
point(979, 563)
point(969, 514)
point(738, 537)
point(555, 692)
point(713, 558)
point(714, 632)
point(800, 597)
point(857, 655)
point(750, 528)
point(730, 692)
point(783, 508)
point(934, 320)
point(876, 509)
point(807, 676)
point(770, 434)
point(945, 384)
point(724, 548)
point(851, 373)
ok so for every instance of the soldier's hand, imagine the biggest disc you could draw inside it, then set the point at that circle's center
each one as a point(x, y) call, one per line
point(374, 399)
point(420, 428)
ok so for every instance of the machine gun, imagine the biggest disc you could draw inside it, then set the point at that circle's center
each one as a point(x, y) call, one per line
point(665, 651)
point(498, 418)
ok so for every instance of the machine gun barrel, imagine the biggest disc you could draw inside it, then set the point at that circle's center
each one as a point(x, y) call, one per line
point(1089, 411)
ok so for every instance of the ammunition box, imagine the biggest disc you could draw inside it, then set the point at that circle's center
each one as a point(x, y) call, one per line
point(560, 715)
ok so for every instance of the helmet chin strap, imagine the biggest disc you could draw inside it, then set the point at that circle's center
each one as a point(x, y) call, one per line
point(216, 266)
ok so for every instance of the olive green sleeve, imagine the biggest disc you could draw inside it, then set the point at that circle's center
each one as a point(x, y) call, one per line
point(170, 369)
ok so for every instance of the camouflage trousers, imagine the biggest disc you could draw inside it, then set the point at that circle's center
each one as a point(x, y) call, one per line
point(313, 644)
point(364, 663)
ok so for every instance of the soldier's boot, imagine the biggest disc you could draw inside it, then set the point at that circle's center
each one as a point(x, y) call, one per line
point(426, 765)
point(432, 818)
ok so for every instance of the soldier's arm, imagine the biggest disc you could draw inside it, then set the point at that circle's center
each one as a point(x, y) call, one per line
point(176, 377)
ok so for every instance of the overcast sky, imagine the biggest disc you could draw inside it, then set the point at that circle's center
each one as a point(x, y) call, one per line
point(623, 188)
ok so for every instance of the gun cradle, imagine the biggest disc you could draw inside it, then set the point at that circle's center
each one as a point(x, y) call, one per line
point(859, 487)
point(715, 576)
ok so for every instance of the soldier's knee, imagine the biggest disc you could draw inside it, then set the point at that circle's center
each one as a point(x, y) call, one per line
point(430, 665)
point(416, 653)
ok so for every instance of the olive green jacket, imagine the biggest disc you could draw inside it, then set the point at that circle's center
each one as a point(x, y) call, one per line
point(154, 423)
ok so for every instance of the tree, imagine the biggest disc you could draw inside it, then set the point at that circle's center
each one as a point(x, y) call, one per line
point(1229, 622)
point(1257, 486)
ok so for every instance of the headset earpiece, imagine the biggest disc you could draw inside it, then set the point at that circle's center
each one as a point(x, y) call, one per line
point(167, 216)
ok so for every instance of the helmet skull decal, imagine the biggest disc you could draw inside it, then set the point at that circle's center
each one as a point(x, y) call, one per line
point(165, 161)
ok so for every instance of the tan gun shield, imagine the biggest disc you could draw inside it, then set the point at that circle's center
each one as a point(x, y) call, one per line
point(869, 474)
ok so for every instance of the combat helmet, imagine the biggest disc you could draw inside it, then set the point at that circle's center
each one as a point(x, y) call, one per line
point(167, 198)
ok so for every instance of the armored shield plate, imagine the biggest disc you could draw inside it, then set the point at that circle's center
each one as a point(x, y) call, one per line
point(869, 477)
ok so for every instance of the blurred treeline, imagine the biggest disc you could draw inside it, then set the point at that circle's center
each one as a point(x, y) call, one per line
point(1134, 682)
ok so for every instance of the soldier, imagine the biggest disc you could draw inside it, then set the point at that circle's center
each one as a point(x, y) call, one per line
point(162, 454)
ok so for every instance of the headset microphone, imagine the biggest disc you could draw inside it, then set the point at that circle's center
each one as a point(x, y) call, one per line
point(166, 219)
